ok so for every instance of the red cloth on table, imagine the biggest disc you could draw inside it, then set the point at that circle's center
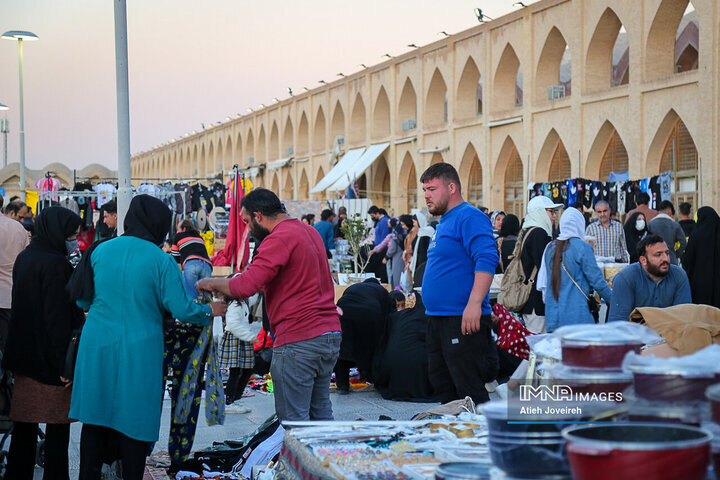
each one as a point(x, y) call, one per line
point(511, 333)
point(237, 245)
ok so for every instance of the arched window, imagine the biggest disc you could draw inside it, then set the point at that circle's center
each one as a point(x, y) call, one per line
point(680, 155)
point(514, 188)
point(560, 164)
point(436, 102)
point(615, 157)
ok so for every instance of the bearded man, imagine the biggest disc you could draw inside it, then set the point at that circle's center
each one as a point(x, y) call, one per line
point(461, 261)
point(651, 282)
point(293, 271)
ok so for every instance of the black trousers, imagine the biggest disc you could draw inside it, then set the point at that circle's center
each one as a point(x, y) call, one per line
point(4, 326)
point(376, 266)
point(23, 448)
point(93, 440)
point(460, 365)
point(236, 383)
point(342, 374)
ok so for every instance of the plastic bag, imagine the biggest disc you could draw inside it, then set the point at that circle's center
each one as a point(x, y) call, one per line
point(705, 362)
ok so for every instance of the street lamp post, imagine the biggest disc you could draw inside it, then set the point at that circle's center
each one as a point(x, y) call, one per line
point(20, 36)
point(4, 129)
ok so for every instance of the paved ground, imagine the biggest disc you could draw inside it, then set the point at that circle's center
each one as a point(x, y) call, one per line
point(368, 405)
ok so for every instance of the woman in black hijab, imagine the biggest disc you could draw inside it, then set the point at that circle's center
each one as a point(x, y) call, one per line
point(701, 259)
point(509, 230)
point(43, 318)
point(635, 230)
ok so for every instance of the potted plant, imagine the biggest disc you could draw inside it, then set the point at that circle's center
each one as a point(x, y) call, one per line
point(354, 231)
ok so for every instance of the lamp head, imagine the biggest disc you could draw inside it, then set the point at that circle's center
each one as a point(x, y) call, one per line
point(4, 107)
point(19, 35)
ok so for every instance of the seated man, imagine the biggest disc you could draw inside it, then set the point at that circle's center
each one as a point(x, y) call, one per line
point(651, 282)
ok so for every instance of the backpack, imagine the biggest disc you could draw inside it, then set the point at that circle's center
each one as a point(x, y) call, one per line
point(515, 287)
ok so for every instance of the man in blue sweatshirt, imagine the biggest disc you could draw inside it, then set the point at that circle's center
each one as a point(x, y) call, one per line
point(461, 262)
point(325, 229)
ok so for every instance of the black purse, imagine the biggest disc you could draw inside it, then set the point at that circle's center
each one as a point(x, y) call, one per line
point(593, 304)
point(71, 355)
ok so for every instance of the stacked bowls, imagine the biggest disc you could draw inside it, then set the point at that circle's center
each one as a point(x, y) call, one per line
point(525, 450)
point(592, 360)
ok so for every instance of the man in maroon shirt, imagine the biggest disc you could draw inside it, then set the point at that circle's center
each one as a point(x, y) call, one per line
point(293, 270)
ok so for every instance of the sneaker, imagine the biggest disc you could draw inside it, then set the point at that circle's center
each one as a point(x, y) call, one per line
point(237, 407)
point(248, 393)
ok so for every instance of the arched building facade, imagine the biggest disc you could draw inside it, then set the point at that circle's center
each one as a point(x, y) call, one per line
point(559, 89)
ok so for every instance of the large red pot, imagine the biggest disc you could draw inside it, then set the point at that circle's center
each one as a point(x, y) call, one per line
point(657, 382)
point(633, 451)
point(597, 348)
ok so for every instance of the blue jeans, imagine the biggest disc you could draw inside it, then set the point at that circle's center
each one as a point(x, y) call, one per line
point(193, 271)
point(301, 378)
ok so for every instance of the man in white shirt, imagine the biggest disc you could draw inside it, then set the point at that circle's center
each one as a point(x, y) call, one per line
point(14, 240)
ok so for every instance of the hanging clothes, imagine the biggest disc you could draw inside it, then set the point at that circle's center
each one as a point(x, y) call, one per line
point(105, 192)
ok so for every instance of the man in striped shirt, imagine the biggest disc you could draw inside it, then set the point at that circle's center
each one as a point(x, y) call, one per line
point(609, 234)
point(189, 250)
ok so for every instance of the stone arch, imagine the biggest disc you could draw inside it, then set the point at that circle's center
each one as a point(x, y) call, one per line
point(554, 161)
point(471, 176)
point(303, 186)
point(381, 115)
point(319, 142)
point(508, 74)
point(337, 127)
point(381, 184)
point(666, 44)
point(408, 183)
point(238, 152)
point(275, 184)
point(407, 108)
point(607, 61)
point(554, 53)
point(357, 132)
point(673, 149)
point(469, 92)
point(261, 149)
point(607, 153)
point(437, 157)
point(192, 164)
point(436, 100)
point(274, 143)
point(249, 147)
point(213, 163)
point(288, 187)
point(288, 145)
point(302, 135)
point(319, 176)
point(227, 160)
point(205, 157)
point(509, 173)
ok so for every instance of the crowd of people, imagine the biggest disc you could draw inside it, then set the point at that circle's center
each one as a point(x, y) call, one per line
point(144, 303)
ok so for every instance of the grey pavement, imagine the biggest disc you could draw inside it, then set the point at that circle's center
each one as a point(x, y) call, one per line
point(366, 405)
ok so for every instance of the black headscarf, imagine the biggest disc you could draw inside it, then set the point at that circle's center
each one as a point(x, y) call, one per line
point(148, 218)
point(701, 259)
point(633, 235)
point(54, 225)
point(510, 226)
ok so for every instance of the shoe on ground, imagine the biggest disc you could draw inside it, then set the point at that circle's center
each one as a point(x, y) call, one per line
point(237, 407)
point(343, 390)
point(248, 393)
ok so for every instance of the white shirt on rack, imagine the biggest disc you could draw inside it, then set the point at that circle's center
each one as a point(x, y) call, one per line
point(105, 193)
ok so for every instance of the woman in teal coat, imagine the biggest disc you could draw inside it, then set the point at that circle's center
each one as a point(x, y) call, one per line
point(118, 383)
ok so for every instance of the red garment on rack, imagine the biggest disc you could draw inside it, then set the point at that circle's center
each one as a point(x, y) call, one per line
point(237, 245)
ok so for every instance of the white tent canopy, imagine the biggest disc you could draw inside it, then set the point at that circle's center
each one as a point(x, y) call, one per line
point(359, 167)
point(350, 157)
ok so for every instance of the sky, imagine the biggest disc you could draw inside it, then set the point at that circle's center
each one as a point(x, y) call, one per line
point(191, 62)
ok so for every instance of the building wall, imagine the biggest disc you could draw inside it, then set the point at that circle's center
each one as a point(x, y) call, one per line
point(371, 105)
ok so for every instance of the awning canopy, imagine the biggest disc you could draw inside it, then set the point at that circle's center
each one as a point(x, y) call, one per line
point(359, 167)
point(278, 164)
point(250, 172)
point(350, 157)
